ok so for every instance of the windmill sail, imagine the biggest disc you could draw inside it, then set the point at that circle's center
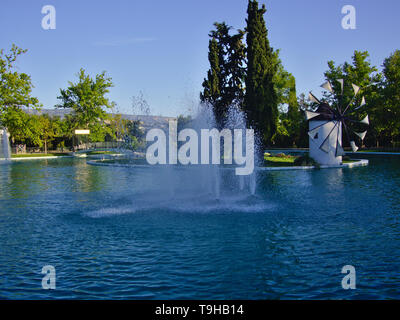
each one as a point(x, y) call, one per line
point(325, 146)
point(361, 134)
point(355, 88)
point(336, 117)
point(365, 120)
point(313, 134)
point(363, 103)
point(310, 115)
point(312, 98)
point(341, 81)
point(353, 146)
point(339, 150)
point(327, 86)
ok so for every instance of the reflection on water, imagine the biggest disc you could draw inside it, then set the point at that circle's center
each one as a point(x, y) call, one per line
point(116, 233)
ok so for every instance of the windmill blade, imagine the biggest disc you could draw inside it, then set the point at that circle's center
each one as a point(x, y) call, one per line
point(353, 146)
point(355, 88)
point(365, 120)
point(341, 81)
point(310, 114)
point(348, 136)
point(339, 149)
point(363, 103)
point(352, 143)
point(327, 86)
point(312, 98)
point(361, 134)
point(325, 145)
point(313, 132)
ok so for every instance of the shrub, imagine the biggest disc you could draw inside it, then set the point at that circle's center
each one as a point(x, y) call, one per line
point(305, 160)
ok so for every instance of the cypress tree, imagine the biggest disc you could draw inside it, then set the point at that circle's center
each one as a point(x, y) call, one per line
point(224, 84)
point(211, 85)
point(260, 103)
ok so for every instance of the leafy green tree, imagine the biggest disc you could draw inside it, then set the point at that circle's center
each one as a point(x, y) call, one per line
point(134, 135)
point(18, 124)
point(282, 80)
point(290, 118)
point(87, 100)
point(15, 90)
point(387, 112)
point(261, 100)
point(361, 73)
point(49, 129)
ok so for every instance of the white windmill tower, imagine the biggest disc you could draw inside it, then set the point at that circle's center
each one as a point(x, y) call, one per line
point(327, 123)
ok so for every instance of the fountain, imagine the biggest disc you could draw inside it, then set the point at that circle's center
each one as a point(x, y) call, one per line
point(208, 182)
point(5, 150)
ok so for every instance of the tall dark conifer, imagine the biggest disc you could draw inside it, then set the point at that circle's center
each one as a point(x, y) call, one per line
point(224, 84)
point(212, 84)
point(261, 102)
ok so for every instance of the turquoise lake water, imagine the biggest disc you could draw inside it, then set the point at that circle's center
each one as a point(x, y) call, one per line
point(113, 233)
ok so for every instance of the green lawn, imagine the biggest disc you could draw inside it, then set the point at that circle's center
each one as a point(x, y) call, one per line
point(272, 161)
point(286, 161)
point(101, 152)
point(280, 160)
point(35, 155)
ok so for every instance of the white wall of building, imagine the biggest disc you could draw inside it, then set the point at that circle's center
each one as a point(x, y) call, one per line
point(319, 155)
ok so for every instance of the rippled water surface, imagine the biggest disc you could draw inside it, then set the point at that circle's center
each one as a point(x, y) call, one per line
point(114, 233)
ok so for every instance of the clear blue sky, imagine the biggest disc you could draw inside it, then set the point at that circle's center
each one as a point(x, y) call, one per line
point(160, 47)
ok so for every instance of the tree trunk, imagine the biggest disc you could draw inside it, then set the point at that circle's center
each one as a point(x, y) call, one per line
point(45, 147)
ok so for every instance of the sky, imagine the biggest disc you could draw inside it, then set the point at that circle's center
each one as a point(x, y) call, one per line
point(160, 47)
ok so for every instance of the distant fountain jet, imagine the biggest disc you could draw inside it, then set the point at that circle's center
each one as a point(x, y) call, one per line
point(5, 150)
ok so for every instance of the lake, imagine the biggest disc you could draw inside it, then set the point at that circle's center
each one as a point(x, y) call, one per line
point(116, 233)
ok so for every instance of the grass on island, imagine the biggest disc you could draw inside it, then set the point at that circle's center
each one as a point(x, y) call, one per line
point(100, 152)
point(125, 161)
point(38, 155)
point(285, 160)
point(279, 160)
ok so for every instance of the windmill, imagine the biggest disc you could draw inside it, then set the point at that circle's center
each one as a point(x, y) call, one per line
point(327, 123)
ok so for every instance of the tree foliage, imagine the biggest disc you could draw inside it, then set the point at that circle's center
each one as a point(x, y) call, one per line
point(387, 110)
point(88, 101)
point(224, 84)
point(15, 90)
point(261, 99)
